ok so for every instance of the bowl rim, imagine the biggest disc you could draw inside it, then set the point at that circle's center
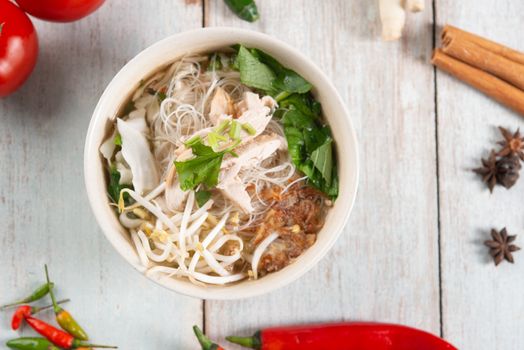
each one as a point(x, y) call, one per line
point(104, 215)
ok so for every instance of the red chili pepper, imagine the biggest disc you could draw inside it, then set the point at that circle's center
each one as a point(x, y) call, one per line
point(20, 313)
point(26, 310)
point(59, 337)
point(343, 336)
point(204, 341)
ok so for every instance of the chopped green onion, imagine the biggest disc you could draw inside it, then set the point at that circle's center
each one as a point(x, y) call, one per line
point(230, 148)
point(234, 131)
point(222, 126)
point(118, 140)
point(249, 129)
point(193, 141)
point(212, 140)
point(220, 137)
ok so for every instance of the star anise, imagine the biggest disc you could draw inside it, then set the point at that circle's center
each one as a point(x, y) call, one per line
point(508, 170)
point(500, 246)
point(513, 144)
point(489, 171)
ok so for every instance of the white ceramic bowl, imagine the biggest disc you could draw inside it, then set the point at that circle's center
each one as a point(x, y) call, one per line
point(205, 40)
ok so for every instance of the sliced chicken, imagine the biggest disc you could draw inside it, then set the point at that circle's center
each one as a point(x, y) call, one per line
point(221, 105)
point(252, 101)
point(250, 154)
point(256, 112)
point(235, 191)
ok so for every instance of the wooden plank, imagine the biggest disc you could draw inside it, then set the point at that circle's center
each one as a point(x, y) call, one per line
point(43, 207)
point(483, 306)
point(385, 265)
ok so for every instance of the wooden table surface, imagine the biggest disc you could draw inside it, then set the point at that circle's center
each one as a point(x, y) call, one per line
point(412, 251)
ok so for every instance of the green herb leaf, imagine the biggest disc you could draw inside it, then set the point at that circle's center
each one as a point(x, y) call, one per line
point(202, 169)
point(118, 140)
point(303, 103)
point(295, 141)
point(115, 187)
point(310, 143)
point(322, 158)
point(215, 63)
point(261, 71)
point(161, 96)
point(1, 27)
point(202, 197)
point(287, 80)
point(316, 137)
point(254, 73)
point(298, 120)
point(245, 9)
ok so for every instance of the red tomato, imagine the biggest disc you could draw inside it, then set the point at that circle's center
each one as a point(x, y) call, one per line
point(18, 47)
point(59, 10)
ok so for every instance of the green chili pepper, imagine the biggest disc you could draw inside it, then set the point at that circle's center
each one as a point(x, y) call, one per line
point(204, 341)
point(64, 318)
point(245, 9)
point(38, 294)
point(31, 344)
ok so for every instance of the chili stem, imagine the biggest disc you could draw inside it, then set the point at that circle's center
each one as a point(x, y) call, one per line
point(42, 308)
point(248, 342)
point(55, 305)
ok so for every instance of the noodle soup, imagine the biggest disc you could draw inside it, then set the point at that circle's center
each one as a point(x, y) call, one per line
point(221, 167)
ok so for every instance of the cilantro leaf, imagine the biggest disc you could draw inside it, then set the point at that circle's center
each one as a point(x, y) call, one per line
point(202, 197)
point(202, 169)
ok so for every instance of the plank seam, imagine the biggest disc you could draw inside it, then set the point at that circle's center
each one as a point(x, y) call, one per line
point(437, 160)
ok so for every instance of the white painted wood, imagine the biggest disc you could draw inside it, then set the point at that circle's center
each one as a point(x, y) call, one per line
point(483, 306)
point(44, 211)
point(385, 265)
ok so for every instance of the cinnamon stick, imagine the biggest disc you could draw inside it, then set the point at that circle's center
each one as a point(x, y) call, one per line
point(461, 48)
point(492, 86)
point(513, 55)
